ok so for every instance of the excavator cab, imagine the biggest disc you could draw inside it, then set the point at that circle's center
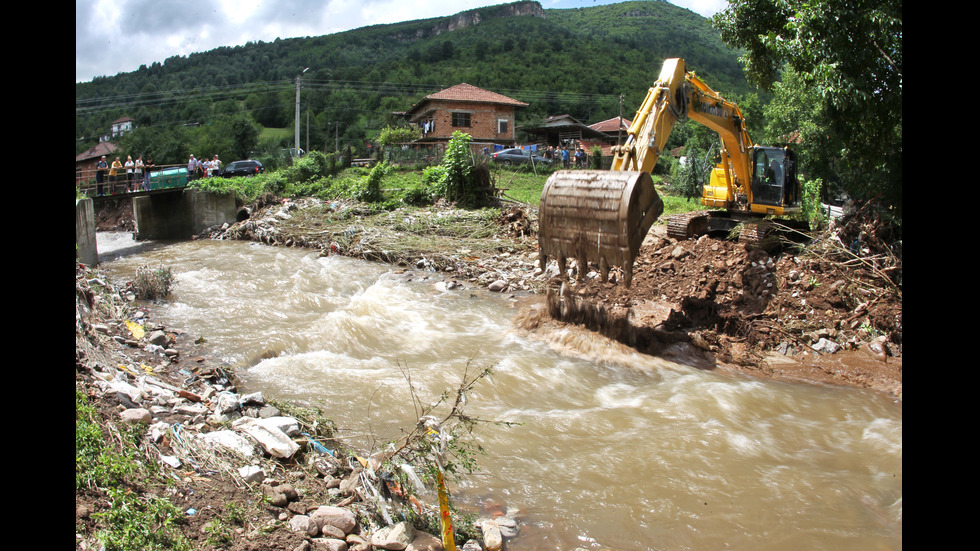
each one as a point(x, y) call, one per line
point(773, 190)
point(774, 183)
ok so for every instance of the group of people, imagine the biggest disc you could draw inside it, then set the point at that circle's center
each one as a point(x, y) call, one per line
point(566, 157)
point(135, 174)
point(197, 169)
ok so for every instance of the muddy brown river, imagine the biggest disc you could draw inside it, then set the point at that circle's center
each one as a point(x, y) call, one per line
point(613, 449)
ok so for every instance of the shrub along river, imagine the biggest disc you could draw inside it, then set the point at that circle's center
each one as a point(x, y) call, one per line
point(614, 449)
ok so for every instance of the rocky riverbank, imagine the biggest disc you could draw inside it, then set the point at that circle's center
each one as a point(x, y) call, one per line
point(292, 485)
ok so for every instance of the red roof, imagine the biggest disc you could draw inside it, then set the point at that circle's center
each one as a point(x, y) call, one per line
point(611, 125)
point(98, 150)
point(468, 92)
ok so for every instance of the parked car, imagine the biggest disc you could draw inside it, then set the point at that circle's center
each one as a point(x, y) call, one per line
point(517, 155)
point(246, 167)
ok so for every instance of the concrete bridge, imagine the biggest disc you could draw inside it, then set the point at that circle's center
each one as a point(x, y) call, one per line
point(170, 214)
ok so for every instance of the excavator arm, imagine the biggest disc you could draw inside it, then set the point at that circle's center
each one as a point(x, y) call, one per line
point(663, 107)
point(679, 95)
point(603, 216)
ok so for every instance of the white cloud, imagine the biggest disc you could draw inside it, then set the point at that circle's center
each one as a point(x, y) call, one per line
point(113, 36)
point(707, 8)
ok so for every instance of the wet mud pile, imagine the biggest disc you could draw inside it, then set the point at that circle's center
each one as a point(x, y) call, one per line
point(825, 309)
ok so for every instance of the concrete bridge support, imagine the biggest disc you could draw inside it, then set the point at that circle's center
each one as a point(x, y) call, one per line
point(86, 246)
point(181, 215)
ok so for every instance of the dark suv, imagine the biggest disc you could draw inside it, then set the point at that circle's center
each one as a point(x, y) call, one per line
point(246, 167)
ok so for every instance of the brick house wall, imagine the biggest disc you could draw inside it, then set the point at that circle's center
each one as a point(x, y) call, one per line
point(486, 122)
point(484, 115)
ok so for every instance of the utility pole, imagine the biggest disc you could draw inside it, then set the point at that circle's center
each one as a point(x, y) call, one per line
point(619, 123)
point(298, 77)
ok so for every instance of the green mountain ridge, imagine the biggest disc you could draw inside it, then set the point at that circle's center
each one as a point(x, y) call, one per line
point(560, 61)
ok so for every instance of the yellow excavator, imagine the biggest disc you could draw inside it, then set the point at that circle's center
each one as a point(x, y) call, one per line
point(603, 216)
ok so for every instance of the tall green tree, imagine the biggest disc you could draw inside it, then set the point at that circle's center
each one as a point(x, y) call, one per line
point(244, 135)
point(166, 145)
point(850, 53)
point(798, 112)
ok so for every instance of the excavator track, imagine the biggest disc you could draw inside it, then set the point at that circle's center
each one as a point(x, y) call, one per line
point(756, 231)
point(760, 235)
point(687, 225)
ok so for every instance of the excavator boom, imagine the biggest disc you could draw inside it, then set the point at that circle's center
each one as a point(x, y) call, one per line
point(664, 106)
point(603, 216)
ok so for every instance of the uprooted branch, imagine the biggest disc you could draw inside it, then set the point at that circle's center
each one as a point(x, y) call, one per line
point(419, 438)
point(436, 445)
point(862, 239)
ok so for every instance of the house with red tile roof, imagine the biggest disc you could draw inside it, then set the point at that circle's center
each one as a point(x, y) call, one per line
point(614, 128)
point(85, 162)
point(486, 116)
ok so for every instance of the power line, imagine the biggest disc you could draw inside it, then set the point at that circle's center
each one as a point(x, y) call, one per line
point(176, 96)
point(173, 96)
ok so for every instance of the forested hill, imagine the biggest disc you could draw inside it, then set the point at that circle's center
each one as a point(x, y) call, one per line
point(574, 61)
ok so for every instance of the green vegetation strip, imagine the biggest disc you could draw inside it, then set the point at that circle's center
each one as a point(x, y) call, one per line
point(108, 461)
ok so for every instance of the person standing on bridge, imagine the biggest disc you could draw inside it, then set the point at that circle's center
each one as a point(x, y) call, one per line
point(138, 174)
point(114, 175)
point(202, 168)
point(148, 166)
point(129, 164)
point(101, 168)
point(191, 168)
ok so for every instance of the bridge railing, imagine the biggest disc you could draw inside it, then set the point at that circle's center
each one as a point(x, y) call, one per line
point(160, 177)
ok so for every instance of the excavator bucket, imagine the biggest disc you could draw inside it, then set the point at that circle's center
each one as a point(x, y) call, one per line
point(596, 216)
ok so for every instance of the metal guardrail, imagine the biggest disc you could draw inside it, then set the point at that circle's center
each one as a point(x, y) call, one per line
point(165, 177)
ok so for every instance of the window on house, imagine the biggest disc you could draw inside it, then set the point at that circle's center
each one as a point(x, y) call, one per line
point(502, 126)
point(461, 119)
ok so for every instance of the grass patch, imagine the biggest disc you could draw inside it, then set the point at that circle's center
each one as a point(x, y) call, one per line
point(220, 529)
point(108, 461)
point(677, 205)
point(522, 184)
point(274, 134)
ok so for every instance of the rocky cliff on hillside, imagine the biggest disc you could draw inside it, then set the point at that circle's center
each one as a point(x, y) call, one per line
point(474, 17)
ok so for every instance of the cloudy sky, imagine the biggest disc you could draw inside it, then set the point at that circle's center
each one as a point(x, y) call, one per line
point(113, 36)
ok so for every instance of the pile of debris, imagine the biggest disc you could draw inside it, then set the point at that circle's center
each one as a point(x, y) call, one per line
point(738, 304)
point(504, 263)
